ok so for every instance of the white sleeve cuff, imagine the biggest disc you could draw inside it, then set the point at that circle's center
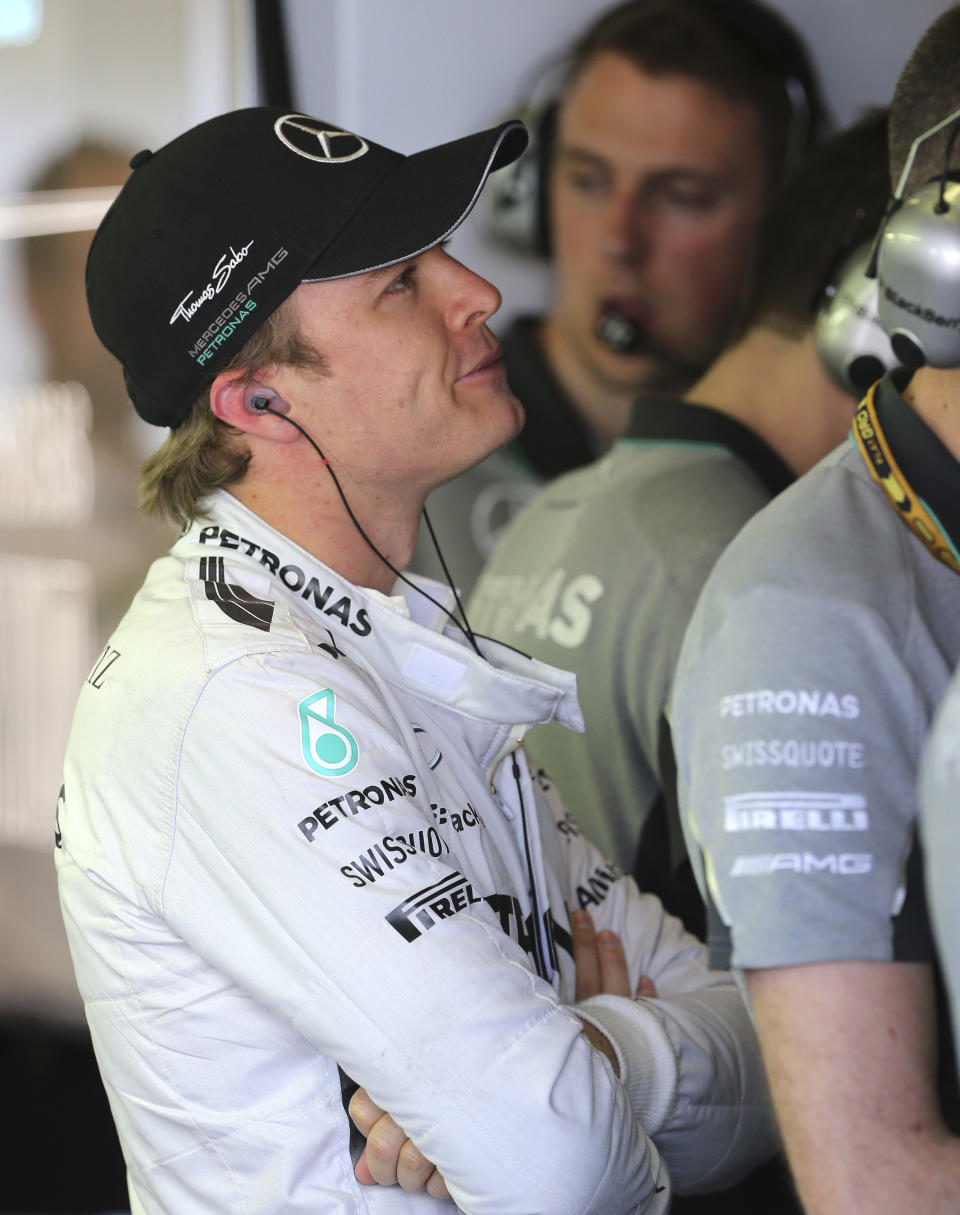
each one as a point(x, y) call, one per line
point(648, 1064)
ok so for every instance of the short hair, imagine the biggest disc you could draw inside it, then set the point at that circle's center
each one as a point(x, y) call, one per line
point(204, 453)
point(831, 204)
point(739, 47)
point(927, 91)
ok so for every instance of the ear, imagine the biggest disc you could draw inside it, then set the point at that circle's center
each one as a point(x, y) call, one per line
point(230, 396)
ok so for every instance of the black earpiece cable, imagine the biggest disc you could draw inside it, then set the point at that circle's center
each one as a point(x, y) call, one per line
point(450, 583)
point(262, 405)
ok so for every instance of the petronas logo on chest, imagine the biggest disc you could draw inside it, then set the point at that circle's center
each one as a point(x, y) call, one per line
point(328, 748)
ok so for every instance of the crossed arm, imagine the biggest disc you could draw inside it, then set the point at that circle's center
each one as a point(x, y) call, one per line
point(850, 1051)
point(390, 1158)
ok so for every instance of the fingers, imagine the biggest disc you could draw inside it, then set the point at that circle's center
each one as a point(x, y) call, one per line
point(363, 1111)
point(381, 1157)
point(646, 988)
point(436, 1186)
point(585, 955)
point(385, 1140)
point(614, 976)
point(414, 1170)
point(390, 1158)
point(361, 1172)
point(601, 964)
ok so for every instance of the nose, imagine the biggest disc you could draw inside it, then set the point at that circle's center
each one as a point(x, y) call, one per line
point(626, 230)
point(471, 300)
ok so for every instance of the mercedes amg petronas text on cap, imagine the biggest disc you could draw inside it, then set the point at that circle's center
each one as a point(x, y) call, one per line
point(215, 230)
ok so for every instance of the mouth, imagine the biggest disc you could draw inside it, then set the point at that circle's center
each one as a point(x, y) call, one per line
point(634, 309)
point(489, 366)
point(623, 326)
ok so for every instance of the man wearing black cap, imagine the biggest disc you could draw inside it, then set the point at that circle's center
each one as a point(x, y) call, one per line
point(299, 846)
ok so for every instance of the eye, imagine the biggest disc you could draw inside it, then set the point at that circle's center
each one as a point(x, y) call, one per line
point(405, 281)
point(693, 202)
point(585, 181)
point(691, 197)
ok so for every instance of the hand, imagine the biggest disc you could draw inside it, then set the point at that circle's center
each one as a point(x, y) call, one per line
point(601, 969)
point(601, 964)
point(390, 1158)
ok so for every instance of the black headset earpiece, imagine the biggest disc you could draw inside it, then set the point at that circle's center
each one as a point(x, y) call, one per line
point(917, 264)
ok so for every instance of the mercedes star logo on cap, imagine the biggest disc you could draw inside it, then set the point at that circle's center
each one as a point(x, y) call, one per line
point(313, 141)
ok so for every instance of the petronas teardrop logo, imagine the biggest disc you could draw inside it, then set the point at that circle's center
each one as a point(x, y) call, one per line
point(329, 749)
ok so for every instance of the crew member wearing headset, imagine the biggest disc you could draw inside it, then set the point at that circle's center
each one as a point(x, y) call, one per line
point(601, 571)
point(818, 652)
point(676, 119)
point(299, 846)
point(939, 791)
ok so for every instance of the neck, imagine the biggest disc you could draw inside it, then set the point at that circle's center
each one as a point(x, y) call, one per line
point(303, 504)
point(775, 384)
point(934, 394)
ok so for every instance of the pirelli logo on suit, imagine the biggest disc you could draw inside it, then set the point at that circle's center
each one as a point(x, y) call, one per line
point(425, 908)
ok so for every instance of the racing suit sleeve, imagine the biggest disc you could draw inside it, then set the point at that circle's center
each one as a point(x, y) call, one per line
point(310, 907)
point(689, 1058)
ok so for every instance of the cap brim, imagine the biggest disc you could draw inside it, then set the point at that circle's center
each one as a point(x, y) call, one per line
point(418, 204)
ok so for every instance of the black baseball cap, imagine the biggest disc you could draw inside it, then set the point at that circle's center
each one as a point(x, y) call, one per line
point(212, 233)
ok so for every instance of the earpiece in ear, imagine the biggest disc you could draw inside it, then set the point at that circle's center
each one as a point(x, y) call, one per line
point(264, 400)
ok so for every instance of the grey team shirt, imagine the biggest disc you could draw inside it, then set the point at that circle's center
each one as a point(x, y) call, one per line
point(807, 681)
point(600, 574)
point(940, 830)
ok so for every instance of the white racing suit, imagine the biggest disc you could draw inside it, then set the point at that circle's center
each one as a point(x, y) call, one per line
point(299, 849)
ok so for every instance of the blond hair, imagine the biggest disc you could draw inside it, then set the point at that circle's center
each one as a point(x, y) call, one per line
point(205, 453)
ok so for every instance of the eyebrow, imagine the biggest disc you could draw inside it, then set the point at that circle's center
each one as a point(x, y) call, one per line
point(374, 276)
point(661, 173)
point(576, 153)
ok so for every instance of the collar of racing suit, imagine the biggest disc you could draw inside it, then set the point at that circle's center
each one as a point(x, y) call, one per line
point(250, 568)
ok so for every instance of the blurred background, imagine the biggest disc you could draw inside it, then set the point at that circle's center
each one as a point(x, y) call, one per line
point(83, 85)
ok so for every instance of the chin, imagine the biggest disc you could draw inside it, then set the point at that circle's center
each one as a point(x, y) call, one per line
point(511, 416)
point(508, 431)
point(519, 416)
point(643, 372)
point(631, 371)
